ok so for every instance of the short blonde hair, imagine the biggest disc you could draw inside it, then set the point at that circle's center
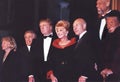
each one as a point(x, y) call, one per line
point(12, 41)
point(63, 23)
point(46, 20)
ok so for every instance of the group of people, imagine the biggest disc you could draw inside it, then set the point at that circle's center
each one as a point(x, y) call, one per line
point(56, 57)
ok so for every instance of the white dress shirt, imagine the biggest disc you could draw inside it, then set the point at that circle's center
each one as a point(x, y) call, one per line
point(46, 46)
point(81, 35)
point(29, 48)
point(102, 26)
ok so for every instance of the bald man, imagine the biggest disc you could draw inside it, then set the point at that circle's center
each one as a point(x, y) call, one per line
point(83, 60)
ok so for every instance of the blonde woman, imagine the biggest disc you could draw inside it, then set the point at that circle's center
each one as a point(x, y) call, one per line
point(9, 71)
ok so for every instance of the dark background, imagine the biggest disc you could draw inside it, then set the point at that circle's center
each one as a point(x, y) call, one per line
point(16, 16)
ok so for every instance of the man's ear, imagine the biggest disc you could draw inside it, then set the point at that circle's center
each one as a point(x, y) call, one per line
point(84, 26)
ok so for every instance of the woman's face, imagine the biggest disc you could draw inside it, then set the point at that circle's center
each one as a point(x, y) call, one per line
point(5, 45)
point(61, 32)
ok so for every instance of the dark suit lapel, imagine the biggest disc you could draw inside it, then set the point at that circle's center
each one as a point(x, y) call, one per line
point(105, 31)
point(26, 50)
point(80, 41)
point(41, 47)
point(51, 47)
point(1, 60)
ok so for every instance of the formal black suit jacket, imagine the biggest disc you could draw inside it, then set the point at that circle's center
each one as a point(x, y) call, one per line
point(98, 44)
point(83, 59)
point(115, 66)
point(40, 67)
point(10, 68)
point(25, 60)
point(112, 46)
point(112, 53)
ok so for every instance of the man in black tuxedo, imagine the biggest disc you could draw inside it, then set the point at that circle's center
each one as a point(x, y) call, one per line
point(83, 60)
point(103, 8)
point(24, 55)
point(41, 49)
point(112, 48)
point(100, 31)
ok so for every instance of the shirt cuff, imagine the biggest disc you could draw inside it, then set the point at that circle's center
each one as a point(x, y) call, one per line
point(31, 76)
point(84, 77)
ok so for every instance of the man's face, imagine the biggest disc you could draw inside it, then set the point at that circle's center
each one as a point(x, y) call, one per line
point(112, 23)
point(78, 27)
point(45, 28)
point(29, 38)
point(102, 6)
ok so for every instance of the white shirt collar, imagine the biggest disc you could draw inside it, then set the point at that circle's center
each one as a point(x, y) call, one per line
point(107, 12)
point(49, 34)
point(82, 34)
point(29, 48)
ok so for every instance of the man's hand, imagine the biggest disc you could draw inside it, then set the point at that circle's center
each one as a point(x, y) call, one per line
point(53, 78)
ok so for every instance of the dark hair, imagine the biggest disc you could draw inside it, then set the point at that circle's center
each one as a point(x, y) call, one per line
point(114, 13)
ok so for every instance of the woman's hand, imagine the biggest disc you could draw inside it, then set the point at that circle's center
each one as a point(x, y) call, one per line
point(53, 78)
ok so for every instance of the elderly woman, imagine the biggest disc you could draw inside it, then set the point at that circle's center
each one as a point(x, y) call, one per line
point(9, 71)
point(62, 53)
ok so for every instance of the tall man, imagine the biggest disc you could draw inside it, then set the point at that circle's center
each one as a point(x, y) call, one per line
point(41, 50)
point(103, 8)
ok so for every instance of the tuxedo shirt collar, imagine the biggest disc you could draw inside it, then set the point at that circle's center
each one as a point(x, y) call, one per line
point(107, 12)
point(28, 48)
point(81, 35)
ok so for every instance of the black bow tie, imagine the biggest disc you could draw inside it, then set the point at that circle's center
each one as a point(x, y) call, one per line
point(47, 36)
point(102, 17)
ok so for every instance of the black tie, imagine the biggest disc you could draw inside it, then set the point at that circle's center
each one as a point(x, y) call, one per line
point(47, 36)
